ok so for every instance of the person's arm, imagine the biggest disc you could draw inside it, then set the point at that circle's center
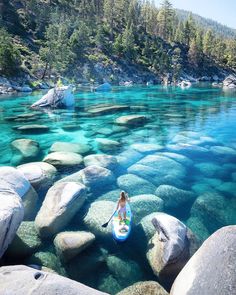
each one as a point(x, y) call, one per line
point(127, 198)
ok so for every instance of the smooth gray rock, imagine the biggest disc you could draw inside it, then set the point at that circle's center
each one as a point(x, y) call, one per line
point(211, 270)
point(173, 197)
point(97, 214)
point(105, 161)
point(169, 248)
point(131, 120)
point(129, 157)
point(63, 159)
point(78, 148)
point(70, 244)
point(198, 228)
point(214, 210)
point(24, 150)
point(223, 151)
point(106, 109)
point(26, 241)
point(40, 174)
point(61, 203)
point(39, 282)
point(122, 269)
point(146, 287)
point(11, 215)
point(135, 185)
point(18, 183)
point(178, 158)
point(33, 129)
point(146, 148)
point(107, 145)
point(188, 150)
point(143, 205)
point(92, 177)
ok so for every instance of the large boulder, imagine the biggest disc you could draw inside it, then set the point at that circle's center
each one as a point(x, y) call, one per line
point(61, 203)
point(106, 109)
point(121, 268)
point(135, 185)
point(26, 241)
point(40, 175)
point(11, 215)
point(24, 150)
point(131, 120)
point(214, 210)
point(63, 159)
point(92, 177)
point(146, 148)
point(78, 148)
point(11, 277)
point(105, 161)
point(129, 157)
point(33, 129)
point(230, 82)
point(169, 248)
point(57, 97)
point(70, 244)
point(18, 183)
point(173, 197)
point(211, 270)
point(146, 287)
point(189, 150)
point(97, 214)
point(107, 145)
point(143, 205)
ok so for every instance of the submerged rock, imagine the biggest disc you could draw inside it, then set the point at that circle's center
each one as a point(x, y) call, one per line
point(26, 241)
point(214, 210)
point(173, 197)
point(209, 169)
point(107, 109)
point(78, 148)
point(63, 159)
point(33, 129)
point(223, 151)
point(105, 161)
point(61, 203)
point(122, 269)
point(107, 145)
point(129, 157)
point(211, 270)
point(97, 214)
point(146, 148)
point(143, 205)
point(40, 175)
point(70, 244)
point(92, 177)
point(135, 185)
point(198, 228)
point(14, 180)
point(131, 120)
point(146, 287)
point(11, 215)
point(24, 150)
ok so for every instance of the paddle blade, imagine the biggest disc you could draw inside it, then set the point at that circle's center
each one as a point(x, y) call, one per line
point(105, 224)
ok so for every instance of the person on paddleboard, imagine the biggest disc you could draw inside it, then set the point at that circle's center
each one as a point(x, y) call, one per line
point(121, 206)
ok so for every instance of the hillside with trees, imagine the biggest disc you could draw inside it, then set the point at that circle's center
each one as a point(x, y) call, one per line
point(95, 39)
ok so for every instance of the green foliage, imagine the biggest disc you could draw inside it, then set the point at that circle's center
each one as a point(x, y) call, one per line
point(128, 43)
point(9, 55)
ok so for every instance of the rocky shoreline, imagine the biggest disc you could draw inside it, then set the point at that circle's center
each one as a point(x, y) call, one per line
point(27, 85)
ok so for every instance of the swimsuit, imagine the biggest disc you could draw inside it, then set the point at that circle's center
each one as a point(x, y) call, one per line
point(122, 209)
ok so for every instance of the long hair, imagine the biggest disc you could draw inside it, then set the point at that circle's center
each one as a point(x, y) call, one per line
point(122, 196)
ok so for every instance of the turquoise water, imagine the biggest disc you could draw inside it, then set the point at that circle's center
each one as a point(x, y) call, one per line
point(192, 123)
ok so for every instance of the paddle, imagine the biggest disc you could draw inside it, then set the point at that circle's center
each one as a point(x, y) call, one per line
point(106, 224)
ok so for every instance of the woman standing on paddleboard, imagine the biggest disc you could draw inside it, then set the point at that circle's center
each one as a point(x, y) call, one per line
point(121, 206)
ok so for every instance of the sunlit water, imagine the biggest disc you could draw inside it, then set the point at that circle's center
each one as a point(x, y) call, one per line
point(201, 116)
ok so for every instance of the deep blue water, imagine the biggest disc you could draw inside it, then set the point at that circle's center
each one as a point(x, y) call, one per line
point(201, 116)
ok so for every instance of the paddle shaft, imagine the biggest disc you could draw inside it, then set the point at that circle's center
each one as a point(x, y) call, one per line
point(110, 218)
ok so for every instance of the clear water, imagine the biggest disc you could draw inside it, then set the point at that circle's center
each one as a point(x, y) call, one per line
point(209, 112)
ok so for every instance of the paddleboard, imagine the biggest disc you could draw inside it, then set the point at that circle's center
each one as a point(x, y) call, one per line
point(121, 230)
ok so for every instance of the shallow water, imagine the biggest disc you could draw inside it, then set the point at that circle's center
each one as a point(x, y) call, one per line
point(201, 116)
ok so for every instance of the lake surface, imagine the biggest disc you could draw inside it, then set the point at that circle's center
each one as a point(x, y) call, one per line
point(191, 134)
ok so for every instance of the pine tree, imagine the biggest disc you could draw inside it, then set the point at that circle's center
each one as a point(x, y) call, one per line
point(208, 42)
point(128, 43)
point(165, 19)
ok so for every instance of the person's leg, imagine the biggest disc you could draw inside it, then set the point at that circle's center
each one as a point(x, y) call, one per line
point(124, 215)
